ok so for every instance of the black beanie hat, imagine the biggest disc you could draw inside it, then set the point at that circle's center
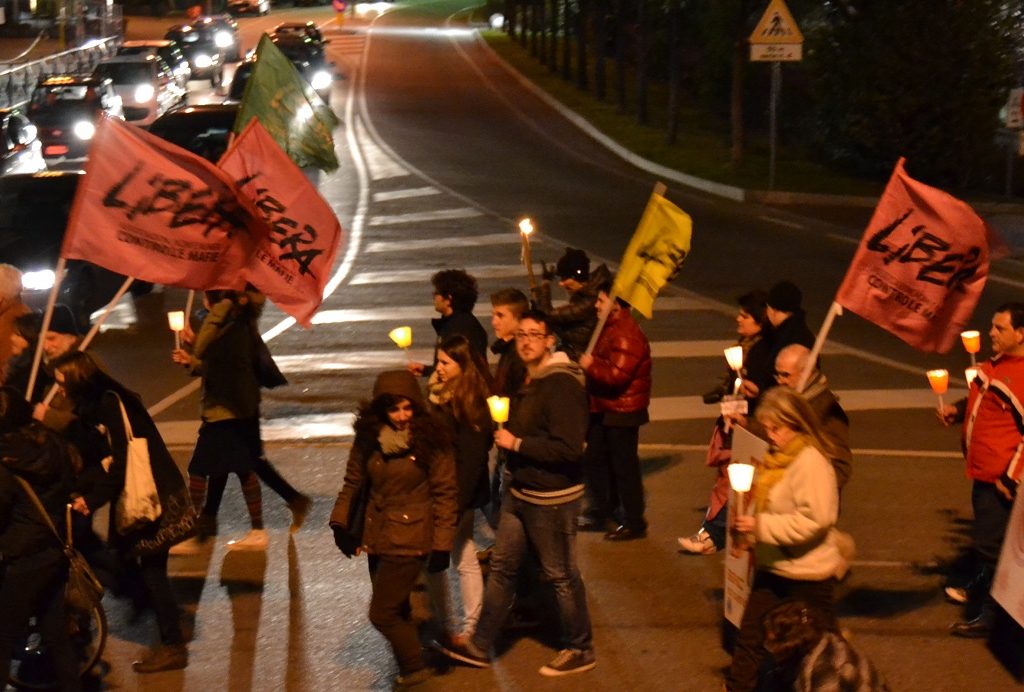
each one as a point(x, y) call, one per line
point(63, 322)
point(785, 297)
point(574, 264)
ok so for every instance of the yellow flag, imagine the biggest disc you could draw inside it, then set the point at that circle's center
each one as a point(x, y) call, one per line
point(654, 255)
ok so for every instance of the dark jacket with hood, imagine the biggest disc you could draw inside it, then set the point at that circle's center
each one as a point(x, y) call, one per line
point(39, 456)
point(792, 330)
point(413, 493)
point(550, 416)
point(100, 409)
point(575, 322)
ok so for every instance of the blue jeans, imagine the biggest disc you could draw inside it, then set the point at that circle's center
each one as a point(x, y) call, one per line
point(550, 531)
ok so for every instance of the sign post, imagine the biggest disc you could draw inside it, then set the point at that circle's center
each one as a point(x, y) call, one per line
point(776, 39)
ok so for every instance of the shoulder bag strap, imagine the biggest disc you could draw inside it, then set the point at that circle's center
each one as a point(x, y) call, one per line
point(39, 506)
point(124, 417)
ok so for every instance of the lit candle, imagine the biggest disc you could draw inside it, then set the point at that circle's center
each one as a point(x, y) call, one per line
point(525, 229)
point(972, 342)
point(970, 374)
point(176, 321)
point(499, 409)
point(740, 478)
point(939, 380)
point(734, 357)
point(402, 336)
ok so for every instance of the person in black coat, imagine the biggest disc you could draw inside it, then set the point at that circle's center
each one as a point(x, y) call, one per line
point(103, 403)
point(788, 319)
point(33, 569)
point(455, 294)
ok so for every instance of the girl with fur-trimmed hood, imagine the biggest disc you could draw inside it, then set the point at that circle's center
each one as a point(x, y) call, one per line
point(399, 505)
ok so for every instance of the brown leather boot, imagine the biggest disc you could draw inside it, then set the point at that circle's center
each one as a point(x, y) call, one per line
point(163, 657)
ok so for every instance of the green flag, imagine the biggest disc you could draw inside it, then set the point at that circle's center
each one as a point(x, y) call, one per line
point(289, 109)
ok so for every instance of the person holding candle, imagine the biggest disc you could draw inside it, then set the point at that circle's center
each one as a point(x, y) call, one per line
point(795, 507)
point(618, 373)
point(993, 418)
point(455, 294)
point(544, 441)
point(458, 390)
point(573, 323)
point(399, 504)
point(754, 331)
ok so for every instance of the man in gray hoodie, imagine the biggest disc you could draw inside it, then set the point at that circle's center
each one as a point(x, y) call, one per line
point(543, 441)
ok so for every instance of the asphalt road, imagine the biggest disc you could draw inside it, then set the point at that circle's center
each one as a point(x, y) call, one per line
point(442, 149)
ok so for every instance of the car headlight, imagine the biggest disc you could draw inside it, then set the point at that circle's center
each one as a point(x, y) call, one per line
point(202, 61)
point(144, 92)
point(223, 39)
point(41, 280)
point(84, 129)
point(321, 80)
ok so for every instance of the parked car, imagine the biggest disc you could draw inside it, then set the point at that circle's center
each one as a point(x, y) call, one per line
point(202, 129)
point(205, 58)
point(34, 212)
point(225, 33)
point(65, 109)
point(169, 50)
point(260, 7)
point(20, 148)
point(145, 84)
point(306, 29)
point(307, 56)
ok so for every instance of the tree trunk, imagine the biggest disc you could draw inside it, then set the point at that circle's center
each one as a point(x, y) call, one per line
point(673, 73)
point(642, 114)
point(567, 31)
point(600, 59)
point(620, 53)
point(582, 78)
point(553, 39)
point(534, 39)
point(739, 63)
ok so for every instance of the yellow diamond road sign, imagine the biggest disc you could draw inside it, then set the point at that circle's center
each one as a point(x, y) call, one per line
point(776, 37)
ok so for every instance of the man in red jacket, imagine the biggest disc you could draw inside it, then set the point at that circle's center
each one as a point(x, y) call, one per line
point(993, 417)
point(619, 387)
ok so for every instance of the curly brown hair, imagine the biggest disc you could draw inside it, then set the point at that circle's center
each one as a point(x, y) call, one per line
point(792, 629)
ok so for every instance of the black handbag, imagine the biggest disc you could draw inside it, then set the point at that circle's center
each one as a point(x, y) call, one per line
point(83, 591)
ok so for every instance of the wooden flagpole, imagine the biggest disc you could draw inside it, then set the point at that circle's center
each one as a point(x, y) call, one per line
point(47, 316)
point(819, 342)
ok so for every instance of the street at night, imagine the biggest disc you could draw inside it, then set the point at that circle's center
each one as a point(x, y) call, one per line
point(442, 149)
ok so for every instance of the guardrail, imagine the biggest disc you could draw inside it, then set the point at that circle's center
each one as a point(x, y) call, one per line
point(17, 83)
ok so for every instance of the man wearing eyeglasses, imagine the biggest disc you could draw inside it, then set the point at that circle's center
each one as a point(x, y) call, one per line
point(835, 424)
point(544, 444)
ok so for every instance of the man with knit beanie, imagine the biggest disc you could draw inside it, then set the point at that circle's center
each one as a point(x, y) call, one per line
point(573, 323)
point(787, 316)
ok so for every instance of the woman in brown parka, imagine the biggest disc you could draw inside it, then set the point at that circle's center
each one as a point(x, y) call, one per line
point(399, 505)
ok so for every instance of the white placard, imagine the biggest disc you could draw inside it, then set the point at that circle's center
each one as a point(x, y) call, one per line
point(1008, 585)
point(739, 564)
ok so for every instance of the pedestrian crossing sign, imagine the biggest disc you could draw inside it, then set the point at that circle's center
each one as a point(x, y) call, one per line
point(776, 37)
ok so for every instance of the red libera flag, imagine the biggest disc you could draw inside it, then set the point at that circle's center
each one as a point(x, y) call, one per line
point(921, 265)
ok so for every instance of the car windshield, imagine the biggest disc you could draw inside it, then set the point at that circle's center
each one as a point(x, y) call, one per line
point(125, 72)
point(203, 136)
point(64, 94)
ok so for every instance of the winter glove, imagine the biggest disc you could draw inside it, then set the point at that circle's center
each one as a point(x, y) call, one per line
point(438, 561)
point(345, 541)
point(547, 271)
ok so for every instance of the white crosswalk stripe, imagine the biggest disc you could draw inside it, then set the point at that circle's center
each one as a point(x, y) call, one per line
point(425, 216)
point(391, 195)
point(430, 243)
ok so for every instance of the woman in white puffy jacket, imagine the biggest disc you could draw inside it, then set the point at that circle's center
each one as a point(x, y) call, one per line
point(795, 506)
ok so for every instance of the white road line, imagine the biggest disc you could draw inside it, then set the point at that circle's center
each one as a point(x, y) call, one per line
point(423, 275)
point(666, 447)
point(433, 243)
point(380, 164)
point(424, 216)
point(370, 361)
point(788, 224)
point(396, 314)
point(408, 193)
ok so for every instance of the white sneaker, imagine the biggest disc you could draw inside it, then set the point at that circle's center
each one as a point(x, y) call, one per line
point(190, 546)
point(699, 543)
point(256, 539)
